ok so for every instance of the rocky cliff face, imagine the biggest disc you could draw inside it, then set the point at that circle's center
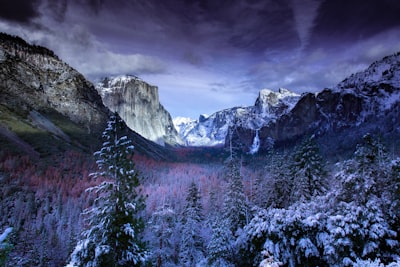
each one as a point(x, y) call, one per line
point(47, 107)
point(367, 101)
point(33, 78)
point(138, 104)
point(213, 130)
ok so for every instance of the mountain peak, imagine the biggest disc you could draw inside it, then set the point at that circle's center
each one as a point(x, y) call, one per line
point(270, 103)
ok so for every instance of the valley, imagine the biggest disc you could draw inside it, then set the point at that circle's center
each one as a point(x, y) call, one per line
point(319, 188)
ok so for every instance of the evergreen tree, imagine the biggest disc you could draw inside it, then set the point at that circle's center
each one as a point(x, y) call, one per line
point(367, 174)
point(308, 173)
point(394, 190)
point(113, 237)
point(5, 246)
point(235, 207)
point(162, 224)
point(279, 186)
point(220, 251)
point(191, 247)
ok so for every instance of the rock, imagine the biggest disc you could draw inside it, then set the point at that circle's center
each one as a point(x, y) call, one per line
point(368, 101)
point(137, 102)
point(213, 130)
point(33, 78)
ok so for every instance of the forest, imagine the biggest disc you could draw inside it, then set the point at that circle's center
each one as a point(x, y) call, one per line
point(289, 207)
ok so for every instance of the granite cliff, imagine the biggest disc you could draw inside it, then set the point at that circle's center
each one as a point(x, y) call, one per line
point(365, 102)
point(138, 104)
point(47, 107)
point(33, 78)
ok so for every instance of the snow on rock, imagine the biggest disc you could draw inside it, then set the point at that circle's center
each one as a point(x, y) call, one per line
point(183, 125)
point(5, 234)
point(270, 103)
point(212, 130)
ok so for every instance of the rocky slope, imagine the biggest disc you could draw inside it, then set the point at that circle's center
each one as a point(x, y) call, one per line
point(138, 104)
point(213, 130)
point(47, 107)
point(33, 78)
point(367, 101)
point(42, 98)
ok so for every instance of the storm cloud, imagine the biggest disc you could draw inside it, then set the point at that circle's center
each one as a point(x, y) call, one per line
point(220, 53)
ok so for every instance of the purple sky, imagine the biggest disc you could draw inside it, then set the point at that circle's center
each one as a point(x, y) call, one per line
point(209, 55)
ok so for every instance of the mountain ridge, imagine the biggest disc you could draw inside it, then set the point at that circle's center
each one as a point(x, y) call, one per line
point(47, 107)
point(367, 101)
point(212, 130)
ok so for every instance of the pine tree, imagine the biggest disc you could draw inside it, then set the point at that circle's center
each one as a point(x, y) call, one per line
point(367, 174)
point(235, 207)
point(113, 237)
point(276, 190)
point(5, 246)
point(308, 173)
point(191, 247)
point(220, 247)
point(162, 224)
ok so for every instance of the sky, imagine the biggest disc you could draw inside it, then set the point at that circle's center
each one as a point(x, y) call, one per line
point(209, 55)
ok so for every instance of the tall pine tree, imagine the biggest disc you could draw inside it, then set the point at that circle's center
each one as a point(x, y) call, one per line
point(368, 174)
point(192, 247)
point(113, 237)
point(162, 224)
point(220, 247)
point(235, 207)
point(308, 172)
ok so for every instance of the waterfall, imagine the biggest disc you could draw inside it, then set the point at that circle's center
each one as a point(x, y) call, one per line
point(256, 144)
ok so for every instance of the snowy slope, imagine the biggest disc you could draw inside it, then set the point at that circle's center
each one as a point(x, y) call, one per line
point(365, 102)
point(212, 130)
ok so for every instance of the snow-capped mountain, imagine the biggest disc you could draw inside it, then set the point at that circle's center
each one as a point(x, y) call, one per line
point(138, 104)
point(368, 101)
point(212, 130)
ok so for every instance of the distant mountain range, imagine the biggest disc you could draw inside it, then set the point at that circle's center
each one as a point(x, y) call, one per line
point(41, 96)
point(368, 101)
point(213, 130)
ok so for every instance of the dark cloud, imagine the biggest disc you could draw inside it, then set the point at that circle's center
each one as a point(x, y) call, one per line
point(57, 9)
point(215, 54)
point(343, 21)
point(22, 11)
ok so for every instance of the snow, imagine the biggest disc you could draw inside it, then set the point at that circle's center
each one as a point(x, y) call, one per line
point(5, 234)
point(212, 130)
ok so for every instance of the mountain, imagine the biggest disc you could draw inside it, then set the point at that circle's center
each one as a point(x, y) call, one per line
point(368, 101)
point(213, 130)
point(137, 102)
point(47, 107)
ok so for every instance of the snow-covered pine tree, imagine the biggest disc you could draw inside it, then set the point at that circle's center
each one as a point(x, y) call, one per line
point(113, 237)
point(235, 206)
point(162, 224)
point(5, 246)
point(191, 246)
point(308, 173)
point(278, 186)
point(394, 191)
point(220, 251)
point(367, 174)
